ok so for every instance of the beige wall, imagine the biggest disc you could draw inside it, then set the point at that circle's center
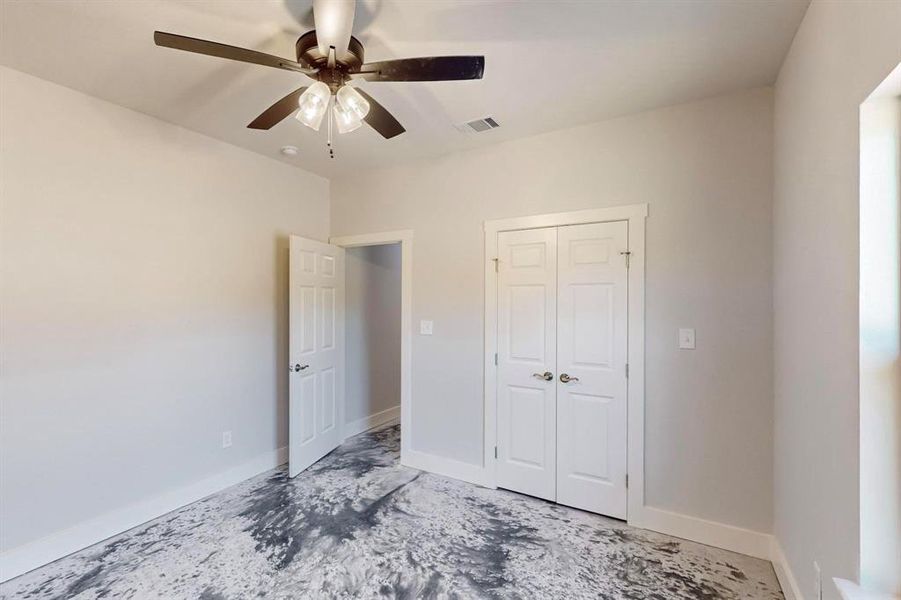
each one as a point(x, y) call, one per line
point(142, 307)
point(705, 170)
point(372, 312)
point(842, 51)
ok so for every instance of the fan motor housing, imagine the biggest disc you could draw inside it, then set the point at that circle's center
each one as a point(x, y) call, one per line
point(308, 54)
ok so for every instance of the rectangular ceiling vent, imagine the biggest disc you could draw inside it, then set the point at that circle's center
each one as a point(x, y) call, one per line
point(480, 125)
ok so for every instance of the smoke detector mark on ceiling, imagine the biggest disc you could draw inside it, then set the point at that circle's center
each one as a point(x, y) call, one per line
point(480, 125)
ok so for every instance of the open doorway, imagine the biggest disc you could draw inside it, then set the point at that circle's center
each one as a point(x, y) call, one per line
point(372, 337)
point(379, 308)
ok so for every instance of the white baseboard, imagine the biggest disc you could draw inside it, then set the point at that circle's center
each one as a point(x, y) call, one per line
point(711, 533)
point(448, 467)
point(366, 423)
point(784, 574)
point(22, 559)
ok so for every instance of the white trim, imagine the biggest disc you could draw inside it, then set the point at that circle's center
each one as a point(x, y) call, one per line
point(711, 533)
point(372, 421)
point(405, 239)
point(576, 217)
point(790, 588)
point(851, 591)
point(635, 214)
point(448, 467)
point(32, 555)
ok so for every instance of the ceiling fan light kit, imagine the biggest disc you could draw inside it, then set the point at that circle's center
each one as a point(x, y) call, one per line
point(313, 104)
point(350, 100)
point(333, 57)
point(345, 120)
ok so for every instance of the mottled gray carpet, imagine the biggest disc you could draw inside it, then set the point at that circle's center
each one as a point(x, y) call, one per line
point(358, 525)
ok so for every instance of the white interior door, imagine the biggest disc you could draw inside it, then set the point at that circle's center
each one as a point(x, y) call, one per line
point(562, 346)
point(527, 313)
point(316, 351)
point(592, 340)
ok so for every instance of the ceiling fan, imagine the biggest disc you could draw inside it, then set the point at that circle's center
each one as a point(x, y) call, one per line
point(333, 57)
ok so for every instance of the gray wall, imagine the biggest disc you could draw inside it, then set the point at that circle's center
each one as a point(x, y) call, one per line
point(706, 170)
point(372, 297)
point(842, 51)
point(143, 307)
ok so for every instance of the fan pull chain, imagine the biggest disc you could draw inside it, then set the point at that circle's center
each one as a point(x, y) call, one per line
point(329, 116)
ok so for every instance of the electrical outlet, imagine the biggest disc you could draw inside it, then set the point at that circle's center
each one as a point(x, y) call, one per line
point(818, 582)
point(425, 327)
point(687, 339)
point(226, 439)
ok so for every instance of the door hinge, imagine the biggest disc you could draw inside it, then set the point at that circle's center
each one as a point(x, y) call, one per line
point(628, 255)
point(496, 263)
point(495, 359)
point(627, 370)
point(627, 481)
point(495, 452)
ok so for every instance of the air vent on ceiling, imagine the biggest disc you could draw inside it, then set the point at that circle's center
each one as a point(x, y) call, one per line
point(480, 125)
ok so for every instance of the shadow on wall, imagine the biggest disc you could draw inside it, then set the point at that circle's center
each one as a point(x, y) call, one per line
point(281, 340)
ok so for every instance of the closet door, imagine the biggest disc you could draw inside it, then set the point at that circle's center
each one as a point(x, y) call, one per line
point(591, 367)
point(526, 402)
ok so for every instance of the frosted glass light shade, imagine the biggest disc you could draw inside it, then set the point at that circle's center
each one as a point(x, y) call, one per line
point(345, 120)
point(352, 101)
point(313, 105)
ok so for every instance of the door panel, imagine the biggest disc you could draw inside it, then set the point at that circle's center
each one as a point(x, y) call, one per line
point(527, 424)
point(592, 338)
point(316, 346)
point(527, 312)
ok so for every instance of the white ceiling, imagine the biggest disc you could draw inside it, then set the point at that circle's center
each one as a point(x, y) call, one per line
point(549, 64)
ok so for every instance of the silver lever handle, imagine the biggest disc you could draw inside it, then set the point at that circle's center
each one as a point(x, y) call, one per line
point(297, 368)
point(547, 375)
point(566, 378)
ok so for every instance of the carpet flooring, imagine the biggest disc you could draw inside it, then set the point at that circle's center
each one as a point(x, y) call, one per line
point(359, 525)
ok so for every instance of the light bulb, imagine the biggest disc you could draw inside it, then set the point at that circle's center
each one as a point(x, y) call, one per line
point(345, 120)
point(313, 105)
point(352, 101)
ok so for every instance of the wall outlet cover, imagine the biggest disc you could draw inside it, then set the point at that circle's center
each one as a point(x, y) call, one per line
point(425, 327)
point(687, 339)
point(226, 439)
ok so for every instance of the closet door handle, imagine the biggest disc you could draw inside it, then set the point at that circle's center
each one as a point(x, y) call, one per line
point(547, 375)
point(297, 368)
point(566, 378)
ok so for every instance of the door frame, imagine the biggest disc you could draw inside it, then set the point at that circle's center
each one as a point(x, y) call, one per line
point(635, 215)
point(403, 237)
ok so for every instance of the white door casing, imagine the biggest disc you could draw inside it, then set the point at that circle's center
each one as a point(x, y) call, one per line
point(562, 311)
point(592, 345)
point(316, 351)
point(527, 311)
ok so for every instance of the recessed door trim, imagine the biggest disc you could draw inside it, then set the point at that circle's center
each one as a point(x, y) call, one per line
point(635, 215)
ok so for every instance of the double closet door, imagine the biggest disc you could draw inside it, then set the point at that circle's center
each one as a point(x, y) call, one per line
point(562, 374)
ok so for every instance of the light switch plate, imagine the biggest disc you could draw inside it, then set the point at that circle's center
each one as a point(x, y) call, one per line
point(687, 339)
point(425, 327)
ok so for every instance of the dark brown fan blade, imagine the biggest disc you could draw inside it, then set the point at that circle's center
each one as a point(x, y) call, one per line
point(181, 42)
point(380, 119)
point(278, 111)
point(430, 68)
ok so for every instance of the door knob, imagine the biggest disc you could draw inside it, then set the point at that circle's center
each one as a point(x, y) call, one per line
point(297, 368)
point(566, 378)
point(547, 375)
